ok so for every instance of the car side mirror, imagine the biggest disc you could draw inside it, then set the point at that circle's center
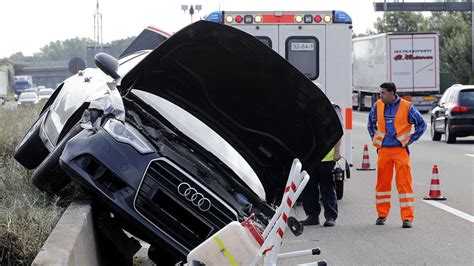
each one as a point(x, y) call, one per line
point(108, 64)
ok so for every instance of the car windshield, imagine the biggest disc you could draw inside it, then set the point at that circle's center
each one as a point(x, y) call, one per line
point(28, 96)
point(45, 92)
point(466, 97)
point(206, 137)
point(21, 85)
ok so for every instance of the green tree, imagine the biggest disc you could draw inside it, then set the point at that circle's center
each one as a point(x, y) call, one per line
point(454, 30)
point(67, 49)
point(18, 57)
point(64, 50)
point(401, 22)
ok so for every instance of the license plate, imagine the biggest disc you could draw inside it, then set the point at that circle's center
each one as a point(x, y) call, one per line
point(429, 98)
point(302, 46)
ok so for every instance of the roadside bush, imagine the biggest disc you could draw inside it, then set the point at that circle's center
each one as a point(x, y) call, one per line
point(27, 216)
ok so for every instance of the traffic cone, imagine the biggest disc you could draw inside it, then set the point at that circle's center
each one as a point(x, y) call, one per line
point(365, 160)
point(435, 191)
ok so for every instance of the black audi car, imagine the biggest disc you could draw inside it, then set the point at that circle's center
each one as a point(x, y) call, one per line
point(204, 133)
point(453, 116)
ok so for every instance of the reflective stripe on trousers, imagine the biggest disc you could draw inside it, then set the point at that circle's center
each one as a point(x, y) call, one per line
point(388, 158)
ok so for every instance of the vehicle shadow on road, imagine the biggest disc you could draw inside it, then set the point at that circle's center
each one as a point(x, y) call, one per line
point(467, 141)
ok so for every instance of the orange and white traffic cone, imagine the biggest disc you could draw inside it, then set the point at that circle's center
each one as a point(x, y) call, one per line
point(365, 160)
point(435, 191)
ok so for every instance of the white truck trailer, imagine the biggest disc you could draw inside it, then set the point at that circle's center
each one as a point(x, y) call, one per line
point(410, 60)
point(3, 86)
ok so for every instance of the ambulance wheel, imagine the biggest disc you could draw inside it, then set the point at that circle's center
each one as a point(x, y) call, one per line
point(359, 102)
point(339, 189)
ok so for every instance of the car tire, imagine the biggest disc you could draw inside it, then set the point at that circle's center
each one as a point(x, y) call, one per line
point(359, 105)
point(449, 137)
point(30, 151)
point(49, 177)
point(435, 136)
point(339, 189)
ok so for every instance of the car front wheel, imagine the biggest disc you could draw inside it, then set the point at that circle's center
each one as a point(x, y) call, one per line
point(49, 177)
point(434, 135)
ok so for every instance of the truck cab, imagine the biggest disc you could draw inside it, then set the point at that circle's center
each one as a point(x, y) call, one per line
point(20, 84)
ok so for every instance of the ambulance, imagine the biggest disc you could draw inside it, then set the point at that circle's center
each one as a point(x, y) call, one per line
point(318, 43)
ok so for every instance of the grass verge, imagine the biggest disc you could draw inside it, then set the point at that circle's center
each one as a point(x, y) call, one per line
point(27, 216)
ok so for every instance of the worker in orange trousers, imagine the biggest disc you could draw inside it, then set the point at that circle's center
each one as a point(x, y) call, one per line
point(390, 127)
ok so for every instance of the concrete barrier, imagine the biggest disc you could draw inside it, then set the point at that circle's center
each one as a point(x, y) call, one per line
point(73, 240)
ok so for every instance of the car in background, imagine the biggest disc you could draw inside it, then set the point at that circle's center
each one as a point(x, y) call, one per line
point(45, 93)
point(178, 147)
point(35, 90)
point(28, 98)
point(453, 116)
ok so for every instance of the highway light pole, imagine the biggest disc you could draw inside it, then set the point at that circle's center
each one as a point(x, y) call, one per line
point(191, 9)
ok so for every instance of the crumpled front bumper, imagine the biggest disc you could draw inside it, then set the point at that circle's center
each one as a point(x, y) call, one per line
point(142, 190)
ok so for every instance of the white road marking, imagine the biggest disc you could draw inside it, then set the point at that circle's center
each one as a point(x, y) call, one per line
point(467, 154)
point(459, 213)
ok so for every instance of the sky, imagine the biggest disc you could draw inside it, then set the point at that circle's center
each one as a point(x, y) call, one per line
point(28, 25)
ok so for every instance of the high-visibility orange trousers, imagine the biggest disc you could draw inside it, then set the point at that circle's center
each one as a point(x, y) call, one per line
point(387, 159)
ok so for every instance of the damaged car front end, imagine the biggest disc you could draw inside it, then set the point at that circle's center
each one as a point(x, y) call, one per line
point(211, 122)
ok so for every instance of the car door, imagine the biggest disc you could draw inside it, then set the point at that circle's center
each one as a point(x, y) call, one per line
point(439, 112)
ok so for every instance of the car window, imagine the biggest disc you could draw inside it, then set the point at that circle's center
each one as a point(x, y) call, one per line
point(206, 137)
point(466, 97)
point(266, 40)
point(451, 96)
point(45, 92)
point(303, 53)
point(444, 97)
point(31, 90)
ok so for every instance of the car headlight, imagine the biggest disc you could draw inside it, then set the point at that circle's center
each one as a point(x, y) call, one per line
point(125, 133)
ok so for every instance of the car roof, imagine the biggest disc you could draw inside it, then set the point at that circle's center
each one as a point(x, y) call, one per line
point(461, 87)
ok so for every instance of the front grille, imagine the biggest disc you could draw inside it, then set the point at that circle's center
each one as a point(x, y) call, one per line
point(158, 200)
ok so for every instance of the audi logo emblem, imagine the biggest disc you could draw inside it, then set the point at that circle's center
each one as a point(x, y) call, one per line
point(193, 196)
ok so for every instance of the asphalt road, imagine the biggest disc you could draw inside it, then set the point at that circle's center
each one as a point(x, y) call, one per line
point(437, 237)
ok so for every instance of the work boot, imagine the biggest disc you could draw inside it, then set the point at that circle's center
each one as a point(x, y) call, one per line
point(406, 224)
point(310, 221)
point(380, 221)
point(330, 222)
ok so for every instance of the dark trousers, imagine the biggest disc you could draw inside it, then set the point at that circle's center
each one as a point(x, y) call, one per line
point(321, 180)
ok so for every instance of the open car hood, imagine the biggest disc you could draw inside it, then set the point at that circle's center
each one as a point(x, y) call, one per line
point(251, 96)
